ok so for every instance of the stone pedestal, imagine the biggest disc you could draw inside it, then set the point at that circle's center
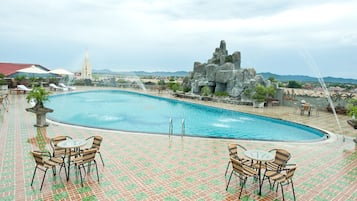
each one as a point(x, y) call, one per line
point(40, 115)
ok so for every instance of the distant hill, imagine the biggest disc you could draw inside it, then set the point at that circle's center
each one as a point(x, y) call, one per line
point(144, 73)
point(304, 78)
point(266, 75)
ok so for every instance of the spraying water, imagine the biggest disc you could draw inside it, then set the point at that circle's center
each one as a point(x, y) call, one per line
point(312, 64)
point(138, 81)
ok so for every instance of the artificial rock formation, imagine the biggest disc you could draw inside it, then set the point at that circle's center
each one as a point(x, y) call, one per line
point(223, 73)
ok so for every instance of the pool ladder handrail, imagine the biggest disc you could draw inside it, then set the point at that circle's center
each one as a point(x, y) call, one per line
point(171, 129)
point(183, 127)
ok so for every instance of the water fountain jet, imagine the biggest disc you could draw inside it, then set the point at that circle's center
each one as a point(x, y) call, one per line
point(314, 67)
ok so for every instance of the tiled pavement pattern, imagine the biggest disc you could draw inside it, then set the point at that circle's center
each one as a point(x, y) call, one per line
point(156, 167)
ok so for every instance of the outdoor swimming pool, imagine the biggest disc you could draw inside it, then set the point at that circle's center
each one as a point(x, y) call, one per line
point(130, 111)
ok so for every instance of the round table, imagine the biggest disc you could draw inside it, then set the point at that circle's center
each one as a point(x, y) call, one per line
point(69, 145)
point(259, 156)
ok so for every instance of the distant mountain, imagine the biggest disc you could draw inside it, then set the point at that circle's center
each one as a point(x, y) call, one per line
point(266, 75)
point(143, 73)
point(304, 78)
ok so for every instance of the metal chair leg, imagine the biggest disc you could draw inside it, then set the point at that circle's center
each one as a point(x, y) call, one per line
point(241, 188)
point(43, 178)
point(229, 180)
point(101, 158)
point(80, 174)
point(96, 167)
point(54, 170)
point(227, 168)
point(282, 191)
point(292, 185)
point(33, 175)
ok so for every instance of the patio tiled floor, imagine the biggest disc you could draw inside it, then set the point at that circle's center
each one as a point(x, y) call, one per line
point(156, 167)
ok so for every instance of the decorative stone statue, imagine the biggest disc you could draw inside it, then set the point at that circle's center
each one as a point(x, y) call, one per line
point(223, 73)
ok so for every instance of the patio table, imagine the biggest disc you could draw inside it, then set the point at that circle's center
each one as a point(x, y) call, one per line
point(259, 156)
point(70, 144)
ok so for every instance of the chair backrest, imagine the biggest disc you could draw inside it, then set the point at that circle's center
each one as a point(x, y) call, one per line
point(38, 158)
point(54, 141)
point(237, 166)
point(281, 157)
point(233, 150)
point(97, 140)
point(87, 156)
point(290, 172)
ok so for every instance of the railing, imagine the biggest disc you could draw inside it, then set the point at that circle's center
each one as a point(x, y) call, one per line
point(183, 127)
point(171, 129)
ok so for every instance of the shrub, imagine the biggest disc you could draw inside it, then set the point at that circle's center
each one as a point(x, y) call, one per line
point(186, 89)
point(205, 91)
point(221, 93)
point(175, 86)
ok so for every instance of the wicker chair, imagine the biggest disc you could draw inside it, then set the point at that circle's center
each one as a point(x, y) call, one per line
point(87, 157)
point(242, 171)
point(44, 161)
point(233, 152)
point(97, 140)
point(284, 177)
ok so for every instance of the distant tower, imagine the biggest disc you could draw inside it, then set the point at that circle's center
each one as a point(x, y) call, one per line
point(86, 68)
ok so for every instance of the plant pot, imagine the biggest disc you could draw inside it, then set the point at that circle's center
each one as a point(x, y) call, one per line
point(3, 87)
point(40, 115)
point(257, 104)
point(352, 123)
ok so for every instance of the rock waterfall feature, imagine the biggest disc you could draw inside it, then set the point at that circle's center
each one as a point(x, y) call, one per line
point(223, 73)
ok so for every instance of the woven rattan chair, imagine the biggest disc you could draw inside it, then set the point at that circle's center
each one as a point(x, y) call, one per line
point(284, 177)
point(87, 157)
point(96, 142)
point(44, 161)
point(233, 152)
point(242, 171)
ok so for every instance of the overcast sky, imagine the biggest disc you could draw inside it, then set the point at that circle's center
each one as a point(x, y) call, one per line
point(300, 37)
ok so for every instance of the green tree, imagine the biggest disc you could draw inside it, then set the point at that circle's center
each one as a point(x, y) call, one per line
point(294, 84)
point(175, 86)
point(272, 79)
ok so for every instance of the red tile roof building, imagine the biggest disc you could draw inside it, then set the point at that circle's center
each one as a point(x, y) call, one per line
point(9, 69)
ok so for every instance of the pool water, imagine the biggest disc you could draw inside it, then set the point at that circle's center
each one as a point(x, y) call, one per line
point(130, 111)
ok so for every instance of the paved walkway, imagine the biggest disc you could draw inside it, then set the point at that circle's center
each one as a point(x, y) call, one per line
point(156, 167)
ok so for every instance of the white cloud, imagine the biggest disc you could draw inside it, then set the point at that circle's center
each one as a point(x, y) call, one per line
point(178, 31)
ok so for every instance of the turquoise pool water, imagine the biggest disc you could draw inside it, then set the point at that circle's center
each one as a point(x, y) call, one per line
point(130, 111)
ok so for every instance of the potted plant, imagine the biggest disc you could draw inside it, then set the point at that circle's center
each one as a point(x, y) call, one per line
point(352, 112)
point(205, 93)
point(39, 95)
point(261, 93)
point(3, 83)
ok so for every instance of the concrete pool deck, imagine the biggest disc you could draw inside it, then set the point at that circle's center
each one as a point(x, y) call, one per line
point(156, 167)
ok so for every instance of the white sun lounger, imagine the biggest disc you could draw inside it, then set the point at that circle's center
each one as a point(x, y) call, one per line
point(23, 88)
point(68, 87)
point(54, 87)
